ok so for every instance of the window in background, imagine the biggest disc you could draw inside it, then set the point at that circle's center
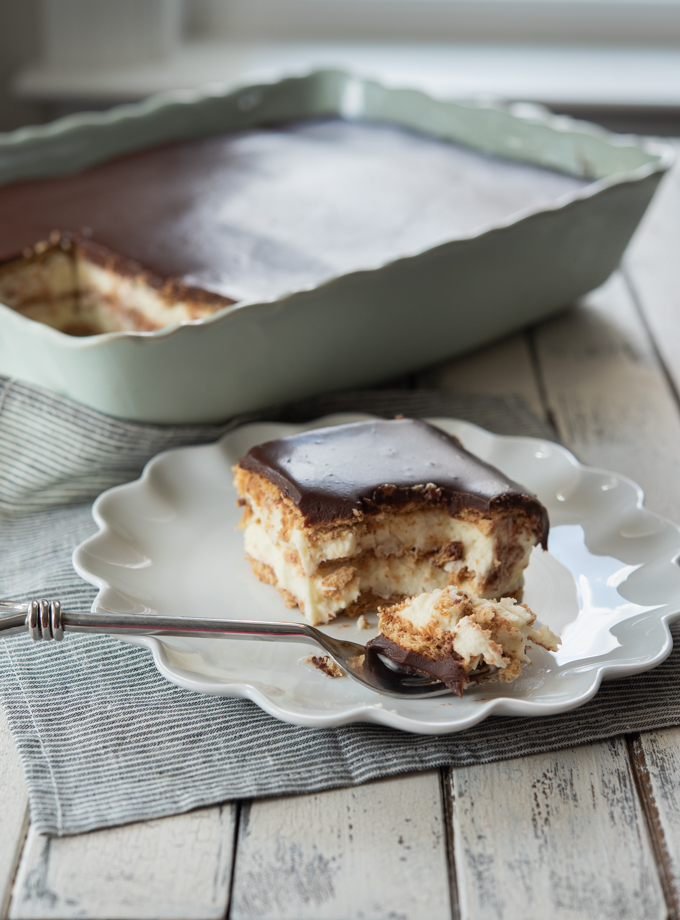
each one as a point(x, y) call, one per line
point(590, 22)
point(604, 59)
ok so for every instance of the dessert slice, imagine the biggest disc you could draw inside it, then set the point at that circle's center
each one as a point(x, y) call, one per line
point(458, 638)
point(81, 288)
point(351, 517)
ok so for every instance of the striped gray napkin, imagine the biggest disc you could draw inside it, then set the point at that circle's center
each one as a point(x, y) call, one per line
point(105, 740)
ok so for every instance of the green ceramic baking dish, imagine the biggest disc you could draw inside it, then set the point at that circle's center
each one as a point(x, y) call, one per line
point(362, 326)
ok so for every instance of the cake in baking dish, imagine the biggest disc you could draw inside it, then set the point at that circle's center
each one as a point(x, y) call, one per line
point(351, 517)
point(177, 232)
point(75, 285)
point(460, 639)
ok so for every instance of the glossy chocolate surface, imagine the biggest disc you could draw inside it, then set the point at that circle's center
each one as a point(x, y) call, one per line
point(447, 669)
point(263, 212)
point(331, 472)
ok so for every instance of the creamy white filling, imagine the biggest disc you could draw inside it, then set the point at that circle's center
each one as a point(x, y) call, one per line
point(129, 292)
point(385, 576)
point(441, 607)
point(40, 286)
point(475, 640)
point(419, 531)
point(63, 287)
point(317, 606)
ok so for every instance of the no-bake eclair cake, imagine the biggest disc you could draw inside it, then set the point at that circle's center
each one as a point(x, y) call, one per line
point(178, 232)
point(460, 639)
point(353, 517)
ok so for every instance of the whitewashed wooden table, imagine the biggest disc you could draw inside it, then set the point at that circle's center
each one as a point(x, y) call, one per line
point(590, 832)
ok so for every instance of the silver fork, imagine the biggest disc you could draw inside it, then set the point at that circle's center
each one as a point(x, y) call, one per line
point(45, 620)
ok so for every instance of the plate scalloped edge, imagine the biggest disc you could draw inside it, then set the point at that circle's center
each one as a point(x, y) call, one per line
point(383, 711)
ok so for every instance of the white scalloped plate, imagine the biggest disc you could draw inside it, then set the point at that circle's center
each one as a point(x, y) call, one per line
point(609, 585)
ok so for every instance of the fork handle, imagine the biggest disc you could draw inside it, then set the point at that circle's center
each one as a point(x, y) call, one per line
point(46, 620)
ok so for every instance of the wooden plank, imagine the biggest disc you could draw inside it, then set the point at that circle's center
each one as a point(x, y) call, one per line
point(554, 835)
point(504, 368)
point(614, 406)
point(653, 274)
point(656, 758)
point(564, 835)
point(608, 396)
point(653, 268)
point(13, 813)
point(171, 868)
point(376, 851)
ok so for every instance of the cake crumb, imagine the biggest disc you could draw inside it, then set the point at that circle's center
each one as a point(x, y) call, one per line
point(326, 665)
point(362, 622)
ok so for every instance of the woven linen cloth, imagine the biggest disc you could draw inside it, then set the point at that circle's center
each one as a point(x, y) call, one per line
point(105, 740)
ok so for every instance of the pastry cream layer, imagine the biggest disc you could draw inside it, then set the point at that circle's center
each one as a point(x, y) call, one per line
point(43, 289)
point(60, 285)
point(332, 587)
point(324, 594)
point(484, 633)
point(385, 534)
point(117, 302)
point(390, 553)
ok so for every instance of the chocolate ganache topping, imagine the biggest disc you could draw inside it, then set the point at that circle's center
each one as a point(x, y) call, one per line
point(448, 668)
point(262, 212)
point(329, 473)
